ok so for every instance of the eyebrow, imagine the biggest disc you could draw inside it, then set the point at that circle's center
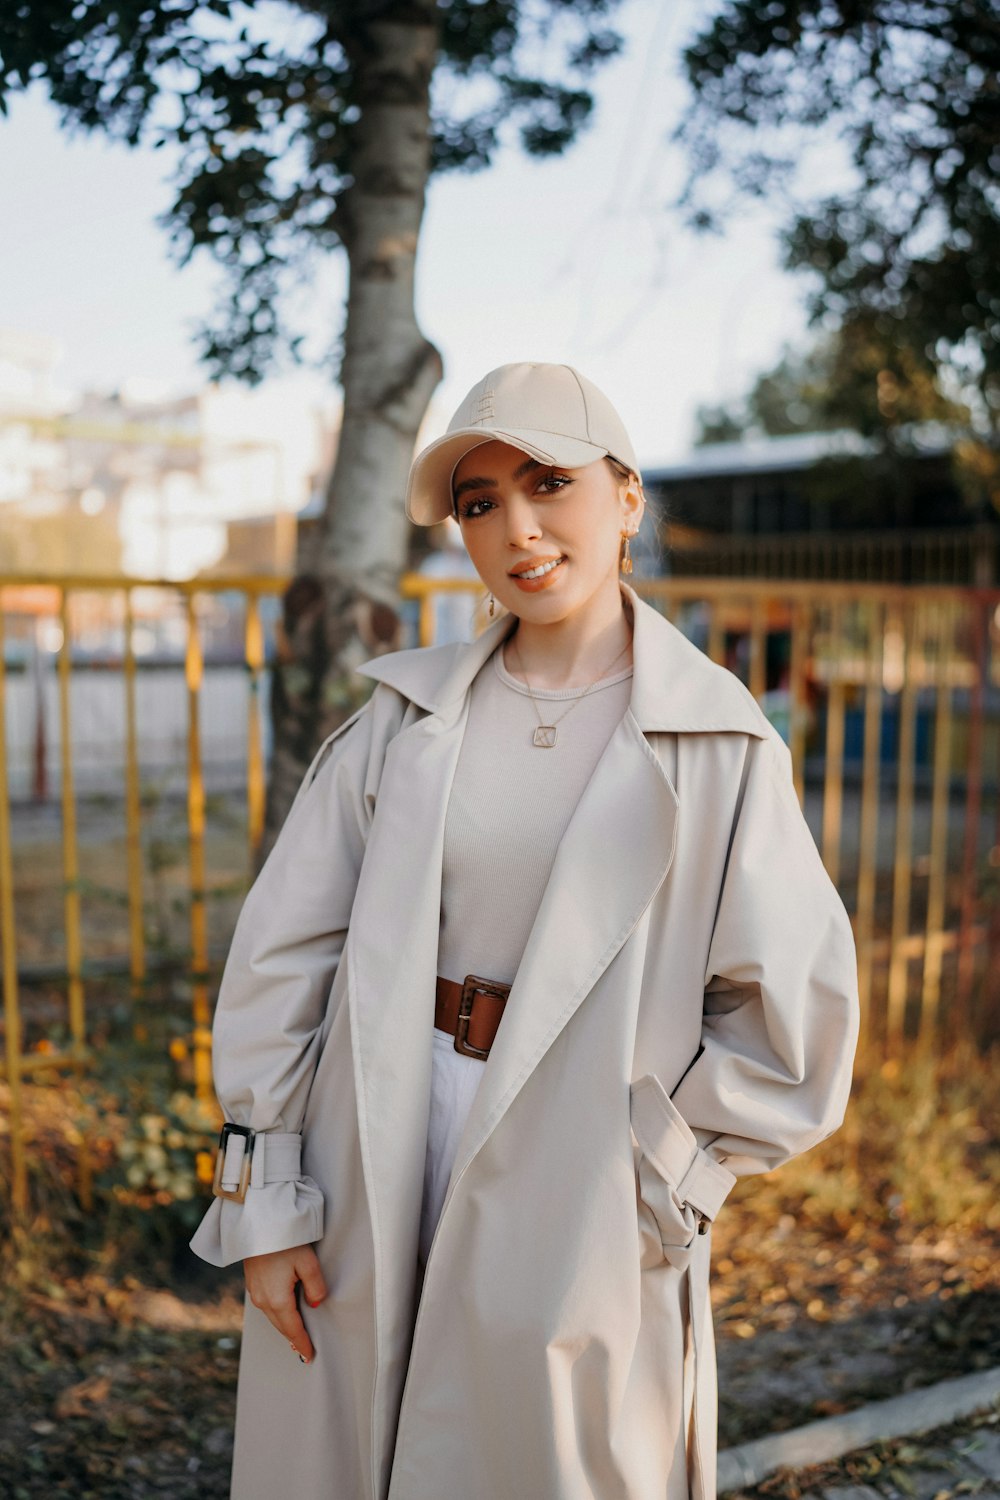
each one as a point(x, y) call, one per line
point(486, 483)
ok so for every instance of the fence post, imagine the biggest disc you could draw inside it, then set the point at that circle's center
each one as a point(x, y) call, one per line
point(868, 850)
point(254, 657)
point(202, 1035)
point(899, 967)
point(133, 827)
point(833, 770)
point(71, 884)
point(979, 629)
point(11, 1008)
point(945, 631)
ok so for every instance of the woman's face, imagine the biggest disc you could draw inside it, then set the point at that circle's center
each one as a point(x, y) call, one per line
point(544, 540)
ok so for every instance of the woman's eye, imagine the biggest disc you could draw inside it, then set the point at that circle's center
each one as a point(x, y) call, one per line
point(555, 482)
point(471, 508)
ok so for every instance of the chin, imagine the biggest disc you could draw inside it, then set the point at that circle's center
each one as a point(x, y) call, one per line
point(544, 611)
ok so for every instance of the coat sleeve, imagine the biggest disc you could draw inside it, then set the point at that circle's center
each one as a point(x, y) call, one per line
point(780, 1023)
point(269, 1017)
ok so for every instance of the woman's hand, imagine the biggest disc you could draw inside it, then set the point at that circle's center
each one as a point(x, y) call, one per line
point(271, 1281)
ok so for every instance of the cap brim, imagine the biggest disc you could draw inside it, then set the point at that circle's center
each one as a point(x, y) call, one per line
point(428, 491)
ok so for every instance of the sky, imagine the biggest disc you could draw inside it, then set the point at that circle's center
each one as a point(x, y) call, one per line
point(577, 259)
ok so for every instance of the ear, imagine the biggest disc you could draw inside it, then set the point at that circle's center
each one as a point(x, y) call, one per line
point(632, 502)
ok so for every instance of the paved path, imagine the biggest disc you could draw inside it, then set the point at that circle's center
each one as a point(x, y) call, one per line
point(960, 1460)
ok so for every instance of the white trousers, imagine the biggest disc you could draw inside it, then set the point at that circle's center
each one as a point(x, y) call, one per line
point(454, 1081)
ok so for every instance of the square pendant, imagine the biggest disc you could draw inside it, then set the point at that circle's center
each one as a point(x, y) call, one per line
point(544, 736)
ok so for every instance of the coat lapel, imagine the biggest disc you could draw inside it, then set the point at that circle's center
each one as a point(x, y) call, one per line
point(392, 964)
point(391, 955)
point(604, 876)
point(393, 943)
point(395, 925)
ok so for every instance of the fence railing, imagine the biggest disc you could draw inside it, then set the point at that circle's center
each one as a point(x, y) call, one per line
point(889, 698)
point(956, 555)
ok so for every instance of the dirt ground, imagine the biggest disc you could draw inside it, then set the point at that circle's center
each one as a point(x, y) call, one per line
point(799, 1338)
point(118, 1387)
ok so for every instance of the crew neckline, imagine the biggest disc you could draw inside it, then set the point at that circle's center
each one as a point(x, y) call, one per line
point(555, 694)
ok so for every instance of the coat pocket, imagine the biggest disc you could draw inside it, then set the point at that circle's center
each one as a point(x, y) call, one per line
point(678, 1183)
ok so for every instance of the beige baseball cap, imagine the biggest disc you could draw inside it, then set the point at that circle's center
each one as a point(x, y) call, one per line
point(552, 412)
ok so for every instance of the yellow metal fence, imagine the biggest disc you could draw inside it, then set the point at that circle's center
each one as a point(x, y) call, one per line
point(48, 597)
point(889, 698)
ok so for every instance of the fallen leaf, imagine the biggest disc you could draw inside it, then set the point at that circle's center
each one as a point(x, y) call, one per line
point(77, 1400)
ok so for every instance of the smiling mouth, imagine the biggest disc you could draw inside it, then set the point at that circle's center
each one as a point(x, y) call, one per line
point(540, 570)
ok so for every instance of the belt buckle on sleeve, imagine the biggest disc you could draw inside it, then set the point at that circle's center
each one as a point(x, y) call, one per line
point(237, 1194)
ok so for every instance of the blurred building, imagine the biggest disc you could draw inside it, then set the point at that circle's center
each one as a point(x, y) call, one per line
point(829, 505)
point(152, 485)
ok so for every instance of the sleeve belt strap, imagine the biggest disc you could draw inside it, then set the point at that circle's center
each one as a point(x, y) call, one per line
point(276, 1158)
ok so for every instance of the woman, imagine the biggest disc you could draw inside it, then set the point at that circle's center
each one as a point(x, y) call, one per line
point(543, 959)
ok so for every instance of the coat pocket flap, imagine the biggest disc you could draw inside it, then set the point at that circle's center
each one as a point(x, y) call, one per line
point(664, 1136)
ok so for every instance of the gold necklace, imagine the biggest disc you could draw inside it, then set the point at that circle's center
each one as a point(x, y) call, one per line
point(545, 736)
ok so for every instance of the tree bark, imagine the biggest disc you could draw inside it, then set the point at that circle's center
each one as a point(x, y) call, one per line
point(342, 607)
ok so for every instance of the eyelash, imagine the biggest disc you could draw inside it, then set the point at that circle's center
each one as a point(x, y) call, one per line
point(467, 513)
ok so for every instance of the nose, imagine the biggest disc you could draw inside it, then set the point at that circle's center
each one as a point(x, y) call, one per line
point(523, 525)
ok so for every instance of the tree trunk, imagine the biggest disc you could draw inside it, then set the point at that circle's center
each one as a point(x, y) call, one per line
point(342, 607)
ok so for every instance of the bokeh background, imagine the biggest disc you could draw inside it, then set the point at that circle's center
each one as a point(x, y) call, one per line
point(250, 256)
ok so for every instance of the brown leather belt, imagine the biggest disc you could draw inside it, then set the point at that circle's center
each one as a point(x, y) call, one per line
point(471, 1011)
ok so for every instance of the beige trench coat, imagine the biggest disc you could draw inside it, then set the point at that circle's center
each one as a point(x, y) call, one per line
point(685, 1012)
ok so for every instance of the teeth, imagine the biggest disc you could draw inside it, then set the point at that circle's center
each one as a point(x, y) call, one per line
point(540, 572)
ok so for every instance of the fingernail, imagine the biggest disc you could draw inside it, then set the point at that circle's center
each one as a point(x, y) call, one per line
point(302, 1360)
point(316, 1303)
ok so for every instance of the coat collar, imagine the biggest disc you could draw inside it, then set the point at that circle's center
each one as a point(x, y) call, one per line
point(675, 687)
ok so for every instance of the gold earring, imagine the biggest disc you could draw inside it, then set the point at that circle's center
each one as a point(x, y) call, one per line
point(626, 553)
point(493, 606)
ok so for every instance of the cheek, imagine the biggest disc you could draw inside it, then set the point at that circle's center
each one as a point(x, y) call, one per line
point(477, 544)
point(600, 536)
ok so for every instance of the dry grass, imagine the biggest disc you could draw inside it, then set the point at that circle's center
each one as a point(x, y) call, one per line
point(870, 1264)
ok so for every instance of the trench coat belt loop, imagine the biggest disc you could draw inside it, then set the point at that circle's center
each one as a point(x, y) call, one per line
point(471, 1012)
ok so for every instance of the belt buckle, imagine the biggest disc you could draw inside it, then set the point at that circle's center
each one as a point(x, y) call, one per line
point(237, 1194)
point(471, 987)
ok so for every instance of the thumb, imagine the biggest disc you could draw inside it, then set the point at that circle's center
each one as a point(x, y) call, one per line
point(309, 1272)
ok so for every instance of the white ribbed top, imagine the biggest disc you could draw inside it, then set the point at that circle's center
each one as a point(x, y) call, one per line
point(509, 806)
